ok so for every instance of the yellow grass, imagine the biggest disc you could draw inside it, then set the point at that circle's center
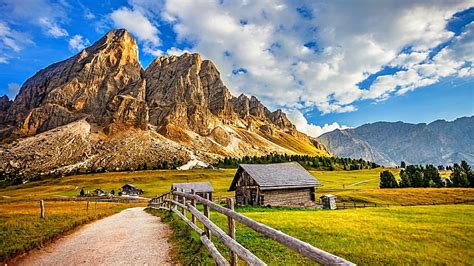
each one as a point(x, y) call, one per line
point(395, 235)
point(21, 228)
point(409, 196)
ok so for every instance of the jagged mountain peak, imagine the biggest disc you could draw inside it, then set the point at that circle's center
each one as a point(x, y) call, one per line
point(177, 101)
point(388, 143)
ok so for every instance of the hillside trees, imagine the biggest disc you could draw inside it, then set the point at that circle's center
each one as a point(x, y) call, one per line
point(309, 162)
point(387, 180)
point(428, 176)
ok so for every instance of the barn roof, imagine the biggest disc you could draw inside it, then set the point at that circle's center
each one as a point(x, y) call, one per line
point(129, 186)
point(197, 186)
point(277, 176)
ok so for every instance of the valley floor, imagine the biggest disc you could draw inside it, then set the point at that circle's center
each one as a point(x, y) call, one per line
point(440, 234)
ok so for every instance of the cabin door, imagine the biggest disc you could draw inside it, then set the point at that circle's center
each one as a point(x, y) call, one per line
point(254, 196)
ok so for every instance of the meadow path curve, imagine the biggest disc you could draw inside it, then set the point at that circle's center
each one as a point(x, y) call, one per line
point(131, 237)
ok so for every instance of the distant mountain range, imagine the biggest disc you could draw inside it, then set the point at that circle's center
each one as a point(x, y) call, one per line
point(389, 143)
point(101, 109)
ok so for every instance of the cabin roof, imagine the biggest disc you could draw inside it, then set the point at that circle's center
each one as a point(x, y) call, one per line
point(203, 187)
point(277, 176)
point(130, 186)
point(328, 196)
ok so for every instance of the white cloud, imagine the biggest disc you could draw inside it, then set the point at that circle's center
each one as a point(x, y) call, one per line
point(301, 123)
point(52, 28)
point(10, 41)
point(140, 26)
point(317, 60)
point(12, 90)
point(78, 43)
point(176, 51)
point(46, 14)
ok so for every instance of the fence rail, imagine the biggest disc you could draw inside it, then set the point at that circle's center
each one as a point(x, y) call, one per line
point(173, 200)
point(352, 205)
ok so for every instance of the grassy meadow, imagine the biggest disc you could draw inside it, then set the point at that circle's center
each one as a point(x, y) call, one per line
point(21, 228)
point(428, 234)
point(349, 186)
point(442, 234)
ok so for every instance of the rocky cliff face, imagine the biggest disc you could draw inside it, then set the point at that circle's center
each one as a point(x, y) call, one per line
point(440, 142)
point(114, 114)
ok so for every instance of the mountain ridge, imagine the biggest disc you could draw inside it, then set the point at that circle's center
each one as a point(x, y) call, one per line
point(388, 143)
point(103, 100)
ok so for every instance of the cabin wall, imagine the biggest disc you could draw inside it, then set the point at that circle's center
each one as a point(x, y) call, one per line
point(295, 197)
point(247, 191)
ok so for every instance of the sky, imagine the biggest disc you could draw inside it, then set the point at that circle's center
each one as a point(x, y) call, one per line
point(327, 64)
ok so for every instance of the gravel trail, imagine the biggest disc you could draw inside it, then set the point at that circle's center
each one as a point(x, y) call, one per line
point(131, 237)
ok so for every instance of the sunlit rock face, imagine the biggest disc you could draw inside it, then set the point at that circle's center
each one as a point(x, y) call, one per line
point(115, 114)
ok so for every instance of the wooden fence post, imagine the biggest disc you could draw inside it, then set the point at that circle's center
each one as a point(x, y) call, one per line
point(183, 210)
point(42, 209)
point(208, 216)
point(231, 230)
point(175, 198)
point(193, 203)
point(87, 206)
point(355, 205)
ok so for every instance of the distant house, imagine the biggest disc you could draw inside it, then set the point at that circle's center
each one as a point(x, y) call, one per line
point(279, 184)
point(132, 190)
point(199, 187)
point(99, 192)
point(328, 201)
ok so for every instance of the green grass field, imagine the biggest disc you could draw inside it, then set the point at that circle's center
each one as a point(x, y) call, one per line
point(344, 232)
point(359, 186)
point(442, 234)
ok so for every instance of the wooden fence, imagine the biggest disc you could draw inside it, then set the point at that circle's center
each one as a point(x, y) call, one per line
point(352, 205)
point(173, 200)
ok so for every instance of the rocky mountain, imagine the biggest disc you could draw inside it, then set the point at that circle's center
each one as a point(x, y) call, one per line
point(100, 108)
point(440, 142)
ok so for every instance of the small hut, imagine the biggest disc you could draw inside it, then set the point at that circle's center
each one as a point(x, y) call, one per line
point(278, 184)
point(200, 188)
point(99, 192)
point(328, 201)
point(131, 190)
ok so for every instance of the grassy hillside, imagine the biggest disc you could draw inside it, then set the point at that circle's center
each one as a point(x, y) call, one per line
point(358, 185)
point(395, 235)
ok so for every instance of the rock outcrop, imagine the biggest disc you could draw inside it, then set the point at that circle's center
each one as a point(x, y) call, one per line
point(103, 101)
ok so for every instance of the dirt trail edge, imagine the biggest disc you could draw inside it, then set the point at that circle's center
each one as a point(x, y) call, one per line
point(131, 237)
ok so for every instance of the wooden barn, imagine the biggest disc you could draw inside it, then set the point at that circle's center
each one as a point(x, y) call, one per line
point(131, 190)
point(279, 184)
point(199, 187)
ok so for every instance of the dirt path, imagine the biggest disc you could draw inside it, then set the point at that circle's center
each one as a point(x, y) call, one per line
point(131, 237)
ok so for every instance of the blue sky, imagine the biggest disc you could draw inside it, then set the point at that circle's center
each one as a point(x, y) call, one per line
point(322, 62)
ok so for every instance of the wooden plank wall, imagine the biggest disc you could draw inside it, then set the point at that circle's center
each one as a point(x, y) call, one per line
point(288, 197)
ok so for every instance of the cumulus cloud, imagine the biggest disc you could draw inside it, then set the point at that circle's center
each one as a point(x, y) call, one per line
point(140, 26)
point(302, 124)
point(296, 54)
point(78, 43)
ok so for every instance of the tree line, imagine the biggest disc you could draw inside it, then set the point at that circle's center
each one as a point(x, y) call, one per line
point(428, 176)
point(308, 162)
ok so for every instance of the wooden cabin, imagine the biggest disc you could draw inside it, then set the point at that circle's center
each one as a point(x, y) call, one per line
point(129, 189)
point(278, 184)
point(200, 188)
